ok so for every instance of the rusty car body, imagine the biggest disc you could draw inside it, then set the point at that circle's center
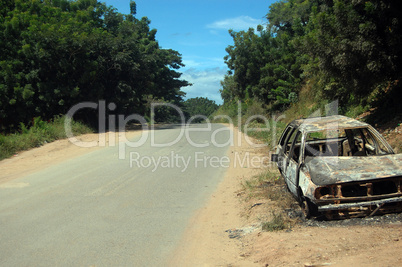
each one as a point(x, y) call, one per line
point(339, 167)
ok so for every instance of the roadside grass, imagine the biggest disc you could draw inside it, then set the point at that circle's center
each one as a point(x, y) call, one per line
point(269, 132)
point(276, 224)
point(269, 185)
point(227, 113)
point(38, 134)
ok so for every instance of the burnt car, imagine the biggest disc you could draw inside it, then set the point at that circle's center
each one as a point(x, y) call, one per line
point(339, 167)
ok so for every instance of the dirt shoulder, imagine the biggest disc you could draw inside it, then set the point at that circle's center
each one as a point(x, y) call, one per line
point(206, 242)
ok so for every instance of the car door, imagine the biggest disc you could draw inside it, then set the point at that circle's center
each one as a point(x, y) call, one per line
point(291, 161)
point(292, 156)
point(282, 162)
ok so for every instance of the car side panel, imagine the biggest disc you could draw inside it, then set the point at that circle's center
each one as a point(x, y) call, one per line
point(291, 176)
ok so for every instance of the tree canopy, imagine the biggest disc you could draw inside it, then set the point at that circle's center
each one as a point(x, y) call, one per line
point(199, 106)
point(351, 49)
point(54, 54)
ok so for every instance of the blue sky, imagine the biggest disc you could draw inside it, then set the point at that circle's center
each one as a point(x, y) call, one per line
point(199, 31)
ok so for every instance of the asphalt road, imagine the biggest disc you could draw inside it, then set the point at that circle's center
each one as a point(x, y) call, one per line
point(99, 210)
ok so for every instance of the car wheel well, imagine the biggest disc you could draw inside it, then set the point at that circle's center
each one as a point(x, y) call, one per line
point(308, 207)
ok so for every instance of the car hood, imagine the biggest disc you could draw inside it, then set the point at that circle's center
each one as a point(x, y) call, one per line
point(331, 170)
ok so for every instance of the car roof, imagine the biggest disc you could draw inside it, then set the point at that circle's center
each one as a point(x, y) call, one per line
point(330, 122)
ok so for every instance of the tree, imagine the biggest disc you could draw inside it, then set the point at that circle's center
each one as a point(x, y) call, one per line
point(199, 106)
point(268, 66)
point(55, 54)
point(357, 44)
point(351, 49)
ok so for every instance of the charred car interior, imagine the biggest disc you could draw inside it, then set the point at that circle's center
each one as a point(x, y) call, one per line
point(339, 167)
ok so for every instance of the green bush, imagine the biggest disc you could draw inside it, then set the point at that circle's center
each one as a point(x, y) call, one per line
point(39, 133)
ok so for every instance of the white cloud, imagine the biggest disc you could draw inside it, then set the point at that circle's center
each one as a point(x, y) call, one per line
point(189, 63)
point(238, 23)
point(202, 62)
point(206, 83)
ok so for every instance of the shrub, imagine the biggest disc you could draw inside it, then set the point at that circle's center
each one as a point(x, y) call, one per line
point(39, 133)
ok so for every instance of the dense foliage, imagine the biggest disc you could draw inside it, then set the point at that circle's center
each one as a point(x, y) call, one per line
point(38, 134)
point(55, 54)
point(201, 107)
point(352, 50)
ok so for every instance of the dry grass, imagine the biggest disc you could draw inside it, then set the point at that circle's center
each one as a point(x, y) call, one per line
point(268, 200)
point(276, 224)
